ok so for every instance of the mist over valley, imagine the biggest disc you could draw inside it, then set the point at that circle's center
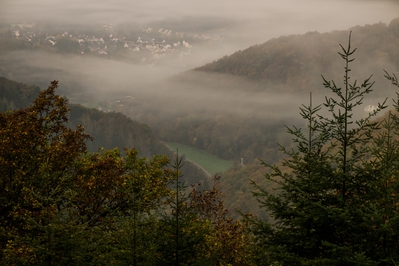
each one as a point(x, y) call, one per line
point(225, 76)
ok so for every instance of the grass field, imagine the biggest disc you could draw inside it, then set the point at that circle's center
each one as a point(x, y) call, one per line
point(209, 162)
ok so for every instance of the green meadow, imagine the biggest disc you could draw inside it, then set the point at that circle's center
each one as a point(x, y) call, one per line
point(209, 162)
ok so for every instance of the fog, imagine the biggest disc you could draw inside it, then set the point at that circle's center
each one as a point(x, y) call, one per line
point(239, 24)
point(250, 22)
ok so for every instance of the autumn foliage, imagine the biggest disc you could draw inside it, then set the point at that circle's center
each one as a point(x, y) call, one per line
point(62, 205)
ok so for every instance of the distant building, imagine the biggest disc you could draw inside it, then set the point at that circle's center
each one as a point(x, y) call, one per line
point(370, 108)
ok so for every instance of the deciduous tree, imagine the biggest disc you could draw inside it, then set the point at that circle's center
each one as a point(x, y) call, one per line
point(60, 204)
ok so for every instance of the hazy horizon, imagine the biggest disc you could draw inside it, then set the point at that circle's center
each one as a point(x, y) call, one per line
point(250, 22)
point(241, 24)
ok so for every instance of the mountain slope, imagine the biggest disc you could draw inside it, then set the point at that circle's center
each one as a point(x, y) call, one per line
point(295, 62)
point(238, 105)
point(15, 95)
point(109, 130)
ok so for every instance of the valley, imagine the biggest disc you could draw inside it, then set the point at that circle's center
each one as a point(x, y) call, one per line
point(235, 107)
point(209, 163)
point(199, 133)
point(229, 86)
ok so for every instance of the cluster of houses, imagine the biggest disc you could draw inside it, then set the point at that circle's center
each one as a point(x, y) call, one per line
point(116, 105)
point(108, 44)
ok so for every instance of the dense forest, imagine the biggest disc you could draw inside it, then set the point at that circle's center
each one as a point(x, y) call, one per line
point(64, 205)
point(332, 200)
point(236, 107)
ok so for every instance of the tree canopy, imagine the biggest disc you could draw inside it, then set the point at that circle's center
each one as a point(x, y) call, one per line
point(336, 198)
point(63, 205)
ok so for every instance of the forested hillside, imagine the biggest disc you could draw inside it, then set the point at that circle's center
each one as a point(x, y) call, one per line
point(64, 205)
point(108, 130)
point(232, 107)
point(290, 66)
point(111, 130)
point(332, 200)
point(236, 106)
point(16, 95)
point(294, 63)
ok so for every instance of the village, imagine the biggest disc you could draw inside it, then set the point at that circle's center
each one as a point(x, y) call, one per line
point(145, 45)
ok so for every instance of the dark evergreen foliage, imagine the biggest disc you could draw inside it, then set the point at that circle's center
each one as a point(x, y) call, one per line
point(336, 200)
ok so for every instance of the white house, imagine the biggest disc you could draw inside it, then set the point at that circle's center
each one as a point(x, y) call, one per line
point(370, 108)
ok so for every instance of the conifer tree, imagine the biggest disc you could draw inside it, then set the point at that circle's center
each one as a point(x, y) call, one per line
point(180, 233)
point(336, 198)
